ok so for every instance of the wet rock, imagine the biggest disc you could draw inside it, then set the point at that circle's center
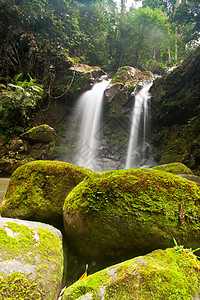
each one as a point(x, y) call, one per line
point(112, 90)
point(16, 144)
point(10, 165)
point(162, 274)
point(31, 261)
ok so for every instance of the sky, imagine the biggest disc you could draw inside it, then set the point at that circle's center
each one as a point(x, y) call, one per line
point(137, 3)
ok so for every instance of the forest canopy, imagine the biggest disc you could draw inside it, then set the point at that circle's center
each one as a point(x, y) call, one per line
point(97, 32)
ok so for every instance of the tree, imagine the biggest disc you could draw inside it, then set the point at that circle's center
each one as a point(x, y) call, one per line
point(149, 36)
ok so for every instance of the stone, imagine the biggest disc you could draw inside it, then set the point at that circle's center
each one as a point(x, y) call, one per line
point(41, 133)
point(174, 168)
point(9, 165)
point(163, 274)
point(95, 71)
point(31, 260)
point(116, 215)
point(16, 144)
point(190, 177)
point(112, 90)
point(37, 190)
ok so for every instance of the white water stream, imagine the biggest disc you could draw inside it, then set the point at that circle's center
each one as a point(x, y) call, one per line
point(140, 106)
point(89, 108)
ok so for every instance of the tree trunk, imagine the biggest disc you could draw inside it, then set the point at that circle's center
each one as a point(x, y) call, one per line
point(176, 44)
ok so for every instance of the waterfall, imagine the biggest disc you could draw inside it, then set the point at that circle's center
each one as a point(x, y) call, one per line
point(89, 108)
point(135, 157)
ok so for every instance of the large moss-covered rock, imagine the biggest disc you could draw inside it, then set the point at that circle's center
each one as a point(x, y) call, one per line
point(120, 214)
point(31, 260)
point(41, 133)
point(174, 168)
point(162, 274)
point(37, 190)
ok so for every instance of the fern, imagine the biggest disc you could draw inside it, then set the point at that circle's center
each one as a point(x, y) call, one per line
point(17, 101)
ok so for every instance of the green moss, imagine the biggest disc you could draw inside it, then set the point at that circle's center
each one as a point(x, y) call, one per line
point(131, 89)
point(163, 274)
point(128, 212)
point(18, 286)
point(43, 133)
point(80, 83)
point(37, 190)
point(174, 168)
point(89, 285)
point(38, 247)
point(120, 76)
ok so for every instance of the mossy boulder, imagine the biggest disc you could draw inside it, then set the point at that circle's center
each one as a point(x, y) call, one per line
point(174, 168)
point(126, 81)
point(31, 260)
point(37, 190)
point(125, 213)
point(41, 133)
point(162, 274)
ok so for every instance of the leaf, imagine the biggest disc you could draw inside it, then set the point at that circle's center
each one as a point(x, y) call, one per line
point(37, 89)
point(175, 242)
point(84, 274)
point(16, 86)
point(195, 250)
point(2, 86)
point(16, 79)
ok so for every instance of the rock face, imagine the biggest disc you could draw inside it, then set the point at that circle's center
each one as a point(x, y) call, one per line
point(117, 115)
point(37, 143)
point(121, 214)
point(175, 114)
point(37, 190)
point(127, 80)
point(162, 274)
point(31, 260)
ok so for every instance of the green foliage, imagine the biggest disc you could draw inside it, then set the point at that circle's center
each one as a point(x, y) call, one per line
point(17, 101)
point(35, 34)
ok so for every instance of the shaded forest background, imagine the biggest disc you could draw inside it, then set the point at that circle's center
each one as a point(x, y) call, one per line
point(157, 35)
point(40, 40)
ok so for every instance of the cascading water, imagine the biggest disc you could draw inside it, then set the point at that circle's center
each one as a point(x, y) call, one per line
point(134, 158)
point(89, 109)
